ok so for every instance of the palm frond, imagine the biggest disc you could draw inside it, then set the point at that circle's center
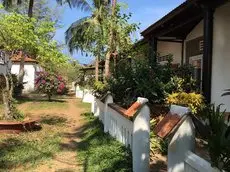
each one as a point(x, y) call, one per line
point(82, 4)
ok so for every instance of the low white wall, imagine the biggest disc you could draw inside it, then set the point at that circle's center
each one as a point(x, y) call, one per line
point(182, 141)
point(84, 94)
point(194, 163)
point(132, 133)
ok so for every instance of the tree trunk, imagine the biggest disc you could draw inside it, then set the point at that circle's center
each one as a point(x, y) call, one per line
point(30, 10)
point(49, 97)
point(22, 63)
point(97, 69)
point(107, 64)
point(111, 43)
point(7, 100)
point(21, 69)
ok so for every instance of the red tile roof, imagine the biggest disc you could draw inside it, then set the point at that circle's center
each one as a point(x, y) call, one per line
point(18, 57)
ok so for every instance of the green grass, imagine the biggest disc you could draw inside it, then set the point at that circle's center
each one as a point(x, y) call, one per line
point(100, 152)
point(86, 106)
point(26, 150)
point(44, 105)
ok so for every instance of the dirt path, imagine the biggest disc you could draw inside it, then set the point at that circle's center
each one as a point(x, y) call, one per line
point(66, 159)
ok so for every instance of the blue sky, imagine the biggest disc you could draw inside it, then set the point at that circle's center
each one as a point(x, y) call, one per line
point(145, 12)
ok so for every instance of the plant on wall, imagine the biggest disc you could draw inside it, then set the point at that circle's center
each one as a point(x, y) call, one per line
point(49, 84)
point(219, 137)
point(192, 100)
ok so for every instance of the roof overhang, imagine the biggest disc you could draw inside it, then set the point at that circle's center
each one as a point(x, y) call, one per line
point(180, 21)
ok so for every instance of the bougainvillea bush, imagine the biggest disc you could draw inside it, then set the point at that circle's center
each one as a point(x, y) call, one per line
point(49, 84)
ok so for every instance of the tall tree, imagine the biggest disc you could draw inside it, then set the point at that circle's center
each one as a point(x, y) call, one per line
point(111, 48)
point(86, 34)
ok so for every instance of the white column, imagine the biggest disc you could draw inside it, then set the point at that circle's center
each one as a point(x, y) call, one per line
point(141, 143)
point(108, 99)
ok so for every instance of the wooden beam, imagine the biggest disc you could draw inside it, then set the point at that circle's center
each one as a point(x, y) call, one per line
point(168, 40)
point(177, 26)
point(182, 53)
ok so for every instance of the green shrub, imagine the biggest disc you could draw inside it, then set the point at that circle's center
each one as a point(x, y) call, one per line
point(139, 79)
point(100, 89)
point(192, 100)
point(189, 84)
point(218, 138)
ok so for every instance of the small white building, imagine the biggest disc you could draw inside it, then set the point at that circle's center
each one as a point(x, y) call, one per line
point(31, 67)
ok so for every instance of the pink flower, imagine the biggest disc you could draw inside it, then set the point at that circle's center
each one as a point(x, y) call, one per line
point(43, 81)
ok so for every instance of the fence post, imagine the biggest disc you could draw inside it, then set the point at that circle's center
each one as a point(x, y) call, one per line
point(94, 106)
point(108, 100)
point(141, 138)
point(182, 141)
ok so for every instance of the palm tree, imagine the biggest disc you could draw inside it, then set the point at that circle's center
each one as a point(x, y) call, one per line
point(111, 42)
point(87, 33)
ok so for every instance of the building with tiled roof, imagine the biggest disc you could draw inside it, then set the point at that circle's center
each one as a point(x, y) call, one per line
point(31, 67)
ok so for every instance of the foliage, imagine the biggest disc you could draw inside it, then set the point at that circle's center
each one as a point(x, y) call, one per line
point(192, 100)
point(100, 152)
point(91, 34)
point(187, 82)
point(157, 144)
point(49, 84)
point(18, 32)
point(17, 87)
point(72, 71)
point(42, 11)
point(219, 137)
point(100, 88)
point(138, 80)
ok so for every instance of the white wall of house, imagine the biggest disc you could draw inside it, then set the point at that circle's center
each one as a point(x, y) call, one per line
point(221, 55)
point(197, 31)
point(174, 48)
point(29, 77)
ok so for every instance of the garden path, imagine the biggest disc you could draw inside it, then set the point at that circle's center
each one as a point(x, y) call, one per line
point(71, 112)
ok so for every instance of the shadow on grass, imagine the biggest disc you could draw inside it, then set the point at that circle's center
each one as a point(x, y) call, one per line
point(97, 150)
point(53, 120)
point(21, 100)
point(15, 152)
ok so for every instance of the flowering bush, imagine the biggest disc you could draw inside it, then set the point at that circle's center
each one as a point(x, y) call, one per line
point(49, 84)
point(193, 100)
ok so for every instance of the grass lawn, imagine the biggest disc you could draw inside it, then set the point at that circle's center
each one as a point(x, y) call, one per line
point(44, 105)
point(85, 106)
point(100, 152)
point(26, 150)
point(95, 151)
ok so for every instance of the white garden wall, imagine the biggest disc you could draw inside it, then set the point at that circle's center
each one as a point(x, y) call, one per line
point(182, 145)
point(84, 94)
point(133, 132)
point(194, 163)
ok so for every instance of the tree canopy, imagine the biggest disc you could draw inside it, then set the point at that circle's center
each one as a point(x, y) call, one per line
point(19, 32)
